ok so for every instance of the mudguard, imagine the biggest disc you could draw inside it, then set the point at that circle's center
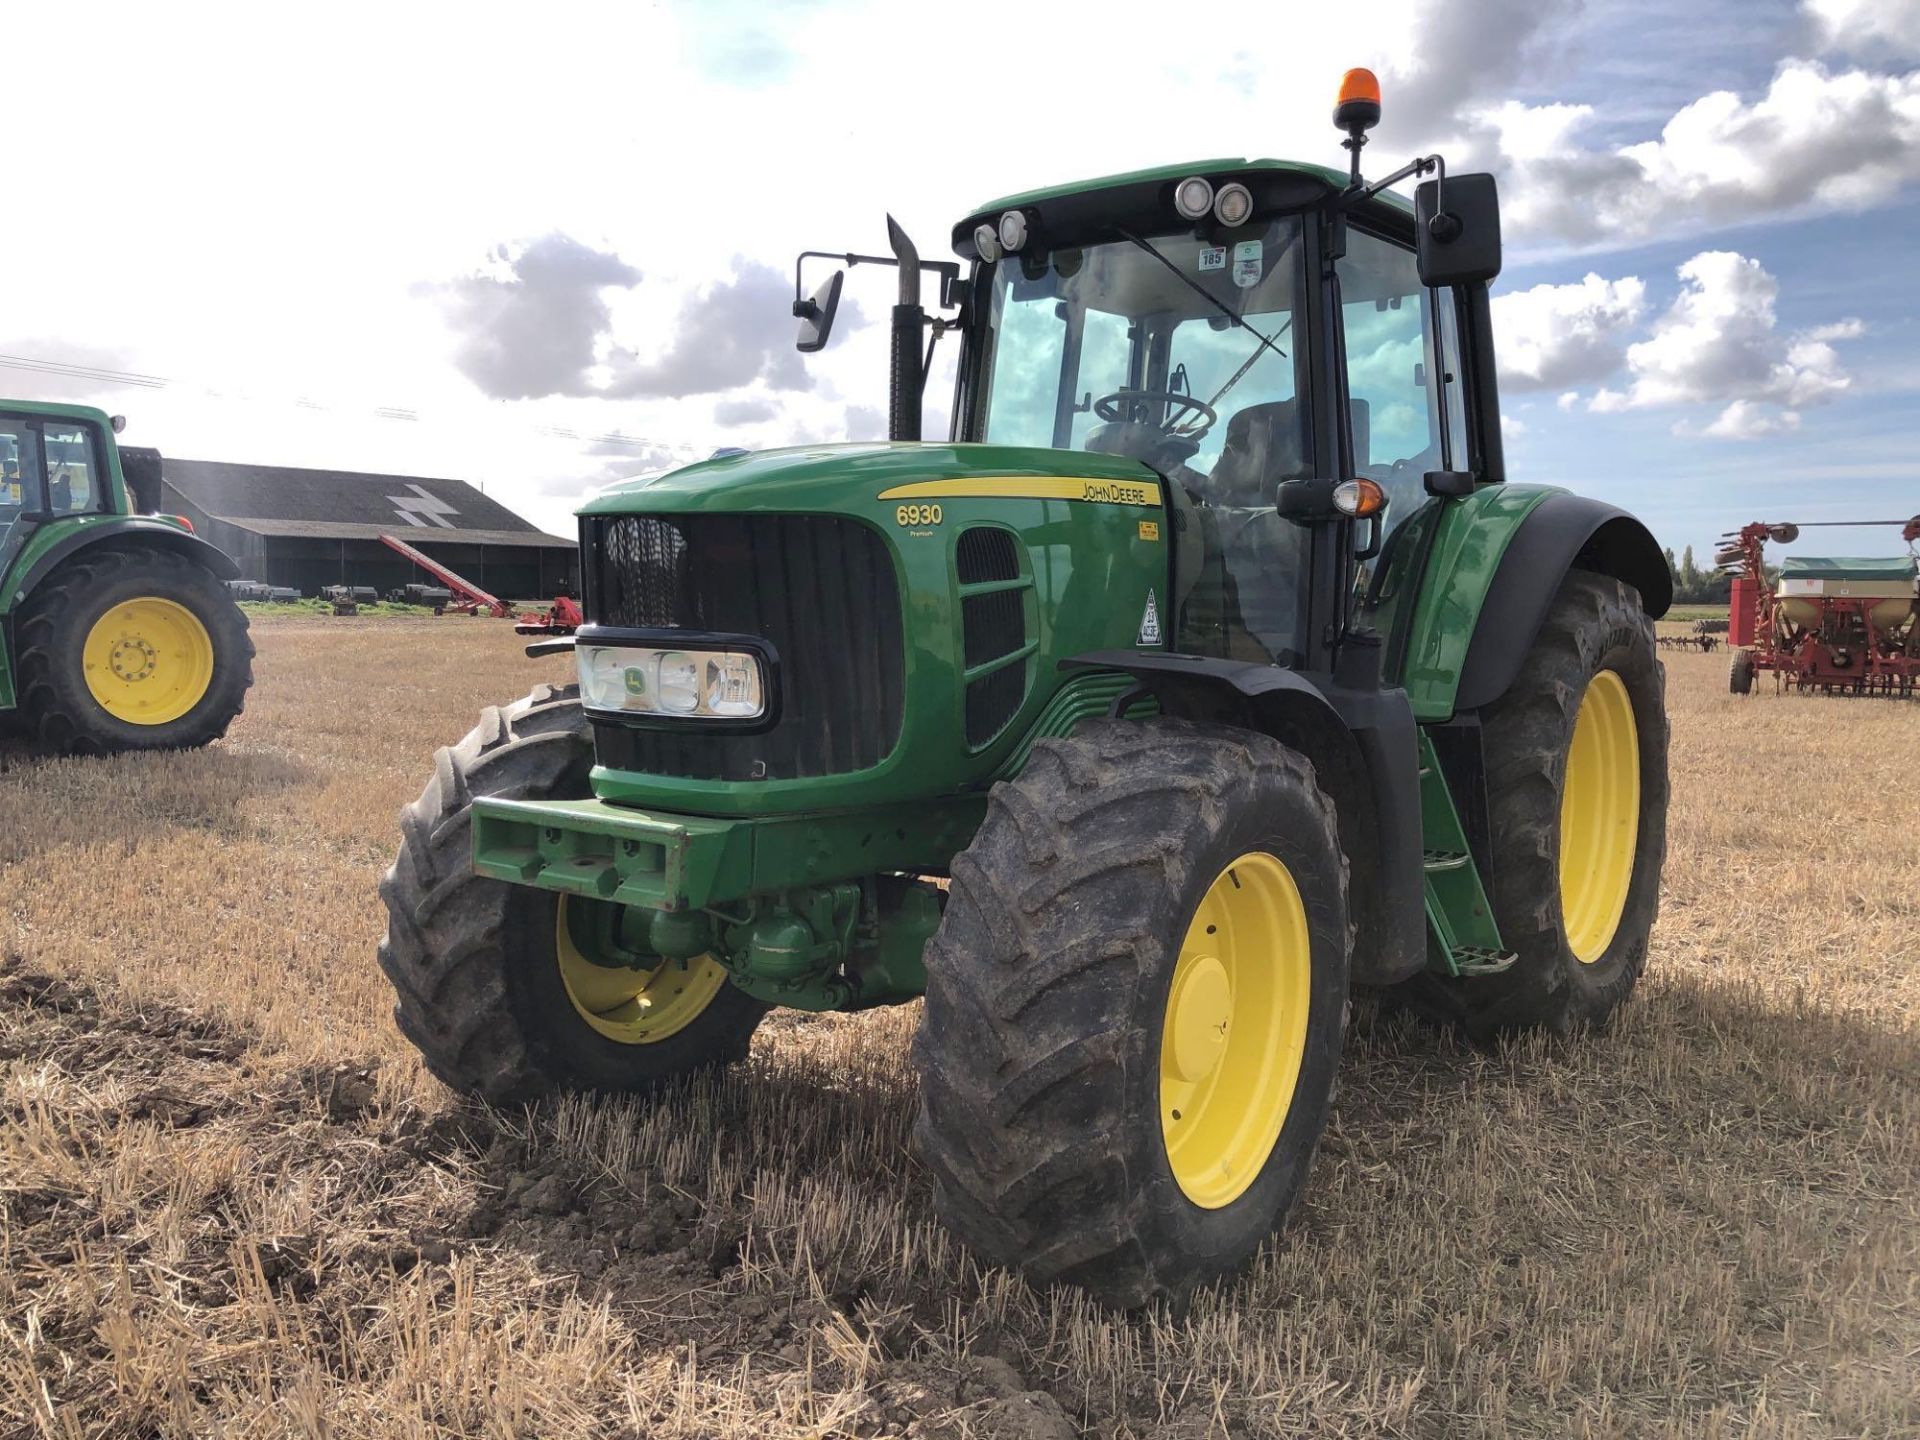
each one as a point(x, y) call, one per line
point(1563, 532)
point(141, 529)
point(1362, 741)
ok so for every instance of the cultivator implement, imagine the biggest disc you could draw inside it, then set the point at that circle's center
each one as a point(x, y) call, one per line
point(1835, 624)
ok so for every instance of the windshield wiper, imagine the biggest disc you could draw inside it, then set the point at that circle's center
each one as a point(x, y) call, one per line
point(1204, 294)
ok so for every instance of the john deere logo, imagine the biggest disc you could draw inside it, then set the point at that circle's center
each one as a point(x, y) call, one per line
point(636, 680)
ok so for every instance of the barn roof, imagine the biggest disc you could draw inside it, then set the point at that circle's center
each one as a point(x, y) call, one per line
point(349, 505)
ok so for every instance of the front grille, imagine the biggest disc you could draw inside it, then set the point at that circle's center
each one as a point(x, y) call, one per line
point(991, 626)
point(820, 589)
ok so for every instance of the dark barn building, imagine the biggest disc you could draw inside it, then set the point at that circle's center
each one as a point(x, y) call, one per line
point(310, 528)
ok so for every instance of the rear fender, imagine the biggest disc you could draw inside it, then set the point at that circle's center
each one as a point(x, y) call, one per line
point(1361, 743)
point(120, 532)
point(1564, 532)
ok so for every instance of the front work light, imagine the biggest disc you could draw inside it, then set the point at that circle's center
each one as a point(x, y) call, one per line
point(1193, 197)
point(986, 242)
point(1013, 231)
point(1233, 204)
point(643, 680)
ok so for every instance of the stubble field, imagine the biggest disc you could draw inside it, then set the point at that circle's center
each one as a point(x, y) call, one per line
point(231, 1201)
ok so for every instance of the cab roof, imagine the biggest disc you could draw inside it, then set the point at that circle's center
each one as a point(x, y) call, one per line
point(55, 409)
point(1081, 210)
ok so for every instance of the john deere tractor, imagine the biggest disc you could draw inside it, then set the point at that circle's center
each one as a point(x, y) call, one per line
point(116, 631)
point(1210, 668)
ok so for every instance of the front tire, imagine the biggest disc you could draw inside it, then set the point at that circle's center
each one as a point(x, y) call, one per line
point(501, 987)
point(131, 650)
point(1135, 1007)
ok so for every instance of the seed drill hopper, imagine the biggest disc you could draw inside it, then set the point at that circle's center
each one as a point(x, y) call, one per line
point(1838, 624)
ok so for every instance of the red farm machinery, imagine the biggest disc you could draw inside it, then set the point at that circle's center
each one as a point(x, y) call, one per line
point(1837, 624)
point(563, 617)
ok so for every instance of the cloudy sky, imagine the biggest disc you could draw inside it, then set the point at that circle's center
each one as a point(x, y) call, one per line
point(542, 247)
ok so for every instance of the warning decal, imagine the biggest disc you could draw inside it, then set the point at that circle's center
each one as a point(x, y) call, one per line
point(1149, 622)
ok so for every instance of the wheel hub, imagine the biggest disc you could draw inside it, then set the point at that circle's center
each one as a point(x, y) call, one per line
point(1198, 1014)
point(1234, 1031)
point(148, 660)
point(133, 658)
point(1599, 817)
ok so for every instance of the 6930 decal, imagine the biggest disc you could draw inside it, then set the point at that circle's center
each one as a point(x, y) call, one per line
point(919, 515)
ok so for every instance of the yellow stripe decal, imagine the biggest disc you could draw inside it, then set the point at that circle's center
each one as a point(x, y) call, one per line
point(1026, 487)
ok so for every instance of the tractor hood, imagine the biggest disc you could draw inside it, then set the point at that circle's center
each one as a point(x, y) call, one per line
point(848, 477)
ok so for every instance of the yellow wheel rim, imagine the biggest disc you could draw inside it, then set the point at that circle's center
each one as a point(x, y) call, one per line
point(1599, 817)
point(634, 1007)
point(1235, 1029)
point(147, 661)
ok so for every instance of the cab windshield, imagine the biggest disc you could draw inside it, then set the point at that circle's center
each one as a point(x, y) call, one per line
point(1181, 353)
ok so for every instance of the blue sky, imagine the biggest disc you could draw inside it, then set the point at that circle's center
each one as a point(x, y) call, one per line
point(546, 255)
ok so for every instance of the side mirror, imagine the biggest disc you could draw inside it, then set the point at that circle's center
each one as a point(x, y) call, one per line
point(1457, 229)
point(816, 315)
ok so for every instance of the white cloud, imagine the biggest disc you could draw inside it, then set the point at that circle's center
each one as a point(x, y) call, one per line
point(1816, 140)
point(1862, 25)
point(1558, 335)
point(1749, 420)
point(1719, 343)
point(1567, 399)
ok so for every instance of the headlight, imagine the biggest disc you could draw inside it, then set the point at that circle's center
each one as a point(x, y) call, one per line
point(699, 684)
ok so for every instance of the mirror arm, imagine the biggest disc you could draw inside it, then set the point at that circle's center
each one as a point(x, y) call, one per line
point(1412, 168)
point(947, 270)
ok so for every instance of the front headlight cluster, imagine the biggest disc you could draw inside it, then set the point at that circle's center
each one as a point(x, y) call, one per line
point(698, 684)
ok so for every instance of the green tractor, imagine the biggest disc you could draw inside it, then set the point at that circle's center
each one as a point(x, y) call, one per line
point(117, 631)
point(1212, 668)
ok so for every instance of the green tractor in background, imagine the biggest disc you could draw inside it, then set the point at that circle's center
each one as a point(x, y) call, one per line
point(116, 629)
point(1210, 669)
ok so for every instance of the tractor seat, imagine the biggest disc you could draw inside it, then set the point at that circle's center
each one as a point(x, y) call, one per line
point(1263, 447)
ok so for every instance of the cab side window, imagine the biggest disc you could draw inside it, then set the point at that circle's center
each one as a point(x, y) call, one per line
point(74, 482)
point(1393, 391)
point(19, 468)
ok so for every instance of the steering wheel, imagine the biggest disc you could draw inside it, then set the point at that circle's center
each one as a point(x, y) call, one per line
point(1121, 406)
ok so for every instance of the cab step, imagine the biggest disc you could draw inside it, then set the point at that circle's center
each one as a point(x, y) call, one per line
point(1469, 960)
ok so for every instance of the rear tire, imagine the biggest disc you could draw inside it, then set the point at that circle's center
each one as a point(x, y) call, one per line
point(185, 609)
point(1740, 673)
point(1595, 647)
point(475, 962)
point(1048, 1106)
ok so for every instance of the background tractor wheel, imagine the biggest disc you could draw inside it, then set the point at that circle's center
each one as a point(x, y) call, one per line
point(1576, 763)
point(510, 992)
point(131, 650)
point(1740, 673)
point(1135, 1005)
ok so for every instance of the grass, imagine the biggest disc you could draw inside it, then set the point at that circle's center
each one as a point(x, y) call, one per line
point(231, 1202)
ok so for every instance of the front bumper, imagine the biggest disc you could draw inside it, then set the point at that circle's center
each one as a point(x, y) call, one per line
point(602, 851)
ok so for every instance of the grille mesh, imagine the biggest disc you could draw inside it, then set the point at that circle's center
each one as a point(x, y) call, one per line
point(985, 553)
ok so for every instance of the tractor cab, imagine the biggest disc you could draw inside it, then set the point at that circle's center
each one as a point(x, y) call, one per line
point(1291, 351)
